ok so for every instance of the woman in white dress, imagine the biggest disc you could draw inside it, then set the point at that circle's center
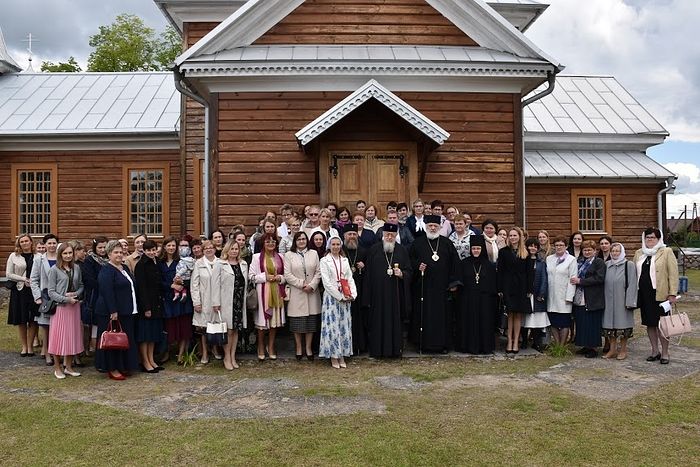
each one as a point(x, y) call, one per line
point(336, 317)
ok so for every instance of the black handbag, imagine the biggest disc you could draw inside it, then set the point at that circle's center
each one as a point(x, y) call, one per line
point(48, 306)
point(9, 284)
point(502, 316)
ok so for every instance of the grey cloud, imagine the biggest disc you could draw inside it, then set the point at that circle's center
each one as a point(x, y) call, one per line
point(63, 27)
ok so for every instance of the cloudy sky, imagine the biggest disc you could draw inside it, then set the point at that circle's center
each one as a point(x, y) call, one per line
point(648, 45)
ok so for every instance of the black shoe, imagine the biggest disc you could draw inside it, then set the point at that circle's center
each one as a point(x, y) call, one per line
point(160, 368)
point(299, 357)
point(582, 351)
point(653, 358)
point(310, 357)
point(23, 354)
point(591, 354)
point(664, 361)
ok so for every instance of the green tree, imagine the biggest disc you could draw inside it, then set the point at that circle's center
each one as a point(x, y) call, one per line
point(129, 45)
point(168, 47)
point(71, 66)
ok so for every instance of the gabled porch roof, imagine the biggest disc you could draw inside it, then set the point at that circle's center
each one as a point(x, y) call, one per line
point(372, 90)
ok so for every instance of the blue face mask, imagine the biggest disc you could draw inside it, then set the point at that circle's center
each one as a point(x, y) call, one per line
point(185, 251)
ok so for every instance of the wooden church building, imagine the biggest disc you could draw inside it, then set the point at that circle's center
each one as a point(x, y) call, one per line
point(276, 101)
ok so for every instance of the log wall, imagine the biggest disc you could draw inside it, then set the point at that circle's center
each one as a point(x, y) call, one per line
point(386, 22)
point(633, 209)
point(90, 192)
point(261, 165)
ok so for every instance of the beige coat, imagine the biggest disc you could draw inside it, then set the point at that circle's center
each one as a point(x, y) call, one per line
point(205, 290)
point(302, 304)
point(227, 283)
point(16, 269)
point(666, 272)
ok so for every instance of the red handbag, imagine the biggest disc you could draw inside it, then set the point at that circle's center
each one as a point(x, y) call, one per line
point(345, 287)
point(113, 338)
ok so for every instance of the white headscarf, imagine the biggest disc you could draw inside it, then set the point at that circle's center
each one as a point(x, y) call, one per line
point(656, 248)
point(621, 258)
point(328, 243)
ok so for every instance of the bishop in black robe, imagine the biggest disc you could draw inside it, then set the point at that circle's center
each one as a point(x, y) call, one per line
point(432, 320)
point(357, 256)
point(477, 303)
point(385, 294)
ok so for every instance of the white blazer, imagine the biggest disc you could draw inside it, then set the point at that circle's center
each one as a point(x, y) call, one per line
point(227, 283)
point(560, 292)
point(329, 276)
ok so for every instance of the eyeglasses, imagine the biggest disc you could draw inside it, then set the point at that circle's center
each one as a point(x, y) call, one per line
point(272, 242)
point(313, 214)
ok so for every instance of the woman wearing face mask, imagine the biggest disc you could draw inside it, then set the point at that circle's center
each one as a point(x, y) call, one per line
point(22, 309)
point(149, 323)
point(134, 257)
point(657, 272)
point(65, 287)
point(96, 259)
point(39, 284)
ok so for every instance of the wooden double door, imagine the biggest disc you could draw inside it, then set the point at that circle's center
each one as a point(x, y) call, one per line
point(376, 176)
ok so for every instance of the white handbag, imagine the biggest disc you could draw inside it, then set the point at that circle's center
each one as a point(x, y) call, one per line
point(217, 332)
point(674, 324)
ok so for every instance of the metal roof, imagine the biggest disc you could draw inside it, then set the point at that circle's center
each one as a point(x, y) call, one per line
point(589, 105)
point(592, 165)
point(7, 63)
point(364, 53)
point(88, 103)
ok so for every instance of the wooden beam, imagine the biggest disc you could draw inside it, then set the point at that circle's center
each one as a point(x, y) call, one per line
point(213, 161)
point(424, 151)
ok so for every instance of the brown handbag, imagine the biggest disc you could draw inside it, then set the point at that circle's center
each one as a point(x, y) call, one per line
point(113, 338)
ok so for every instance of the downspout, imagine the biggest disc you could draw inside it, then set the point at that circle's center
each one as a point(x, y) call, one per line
point(551, 80)
point(670, 188)
point(181, 86)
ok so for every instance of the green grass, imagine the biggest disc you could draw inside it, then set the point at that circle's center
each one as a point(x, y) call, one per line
point(693, 280)
point(452, 420)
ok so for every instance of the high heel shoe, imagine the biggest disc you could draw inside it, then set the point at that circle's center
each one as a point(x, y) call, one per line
point(118, 377)
point(342, 363)
point(653, 358)
point(261, 357)
point(335, 364)
point(299, 357)
point(310, 357)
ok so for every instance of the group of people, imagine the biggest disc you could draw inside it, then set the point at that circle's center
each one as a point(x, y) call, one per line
point(348, 283)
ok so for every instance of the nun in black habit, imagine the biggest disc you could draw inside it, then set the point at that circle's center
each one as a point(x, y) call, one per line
point(477, 302)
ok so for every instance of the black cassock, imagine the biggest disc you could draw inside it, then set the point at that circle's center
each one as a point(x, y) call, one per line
point(359, 314)
point(440, 275)
point(386, 298)
point(477, 306)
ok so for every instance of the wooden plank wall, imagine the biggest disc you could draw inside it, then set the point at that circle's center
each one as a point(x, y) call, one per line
point(262, 167)
point(633, 209)
point(192, 130)
point(474, 169)
point(387, 22)
point(90, 192)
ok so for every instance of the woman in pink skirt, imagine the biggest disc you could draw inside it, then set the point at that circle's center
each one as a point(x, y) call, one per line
point(65, 333)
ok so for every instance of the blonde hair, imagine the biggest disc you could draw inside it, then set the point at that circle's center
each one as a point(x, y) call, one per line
point(547, 248)
point(522, 249)
point(227, 248)
point(18, 249)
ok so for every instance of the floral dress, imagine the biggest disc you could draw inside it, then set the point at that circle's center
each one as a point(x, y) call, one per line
point(336, 314)
point(238, 295)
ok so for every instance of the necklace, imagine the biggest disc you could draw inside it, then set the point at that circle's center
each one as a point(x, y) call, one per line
point(389, 271)
point(477, 273)
point(437, 246)
point(352, 262)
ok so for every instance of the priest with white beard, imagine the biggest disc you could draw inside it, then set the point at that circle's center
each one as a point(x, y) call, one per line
point(385, 294)
point(437, 275)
